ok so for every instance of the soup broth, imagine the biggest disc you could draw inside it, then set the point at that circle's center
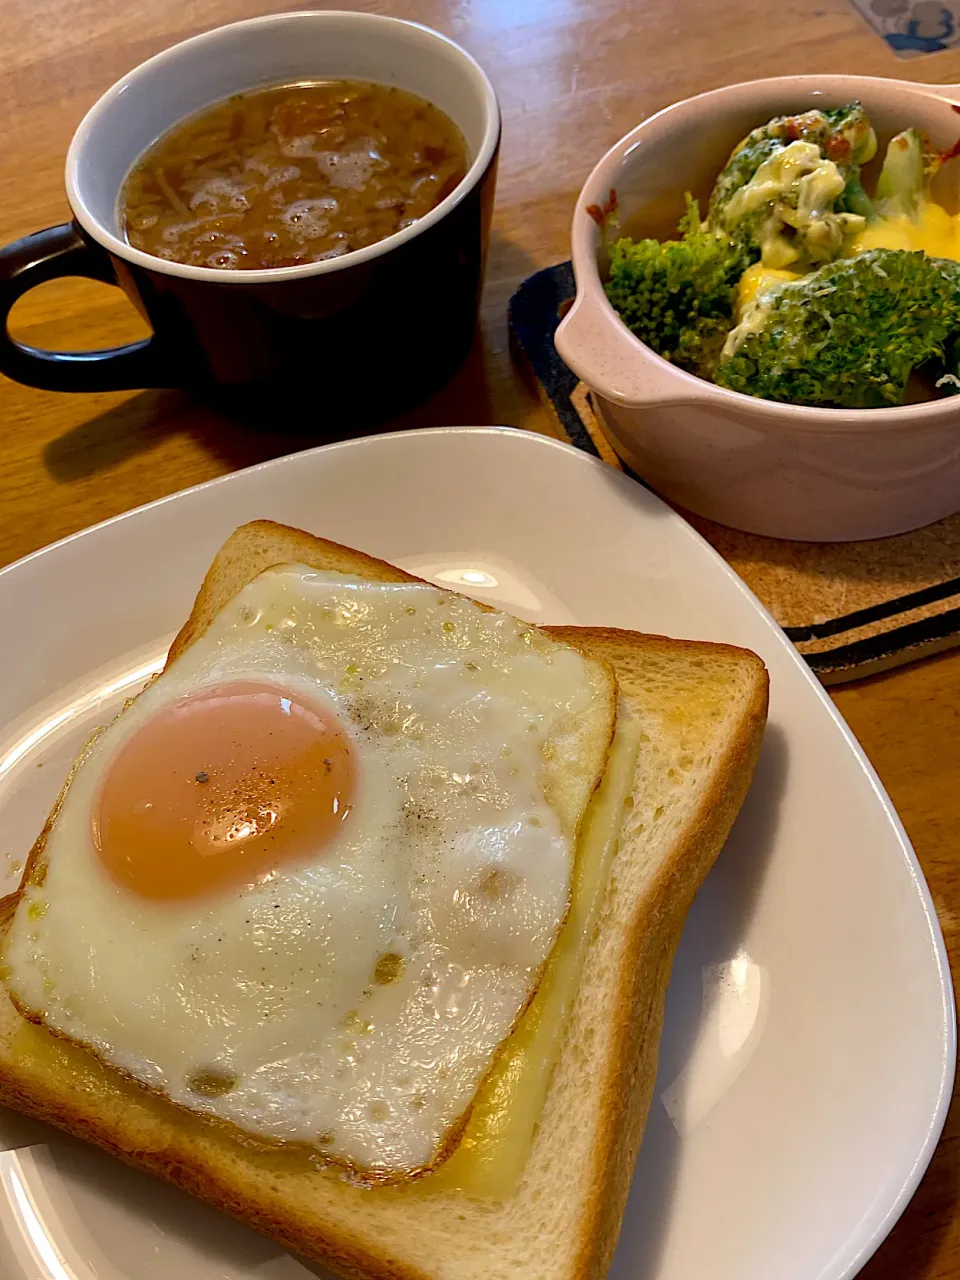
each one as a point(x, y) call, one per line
point(286, 176)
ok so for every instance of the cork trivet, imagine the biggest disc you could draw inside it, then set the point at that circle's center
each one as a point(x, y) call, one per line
point(851, 608)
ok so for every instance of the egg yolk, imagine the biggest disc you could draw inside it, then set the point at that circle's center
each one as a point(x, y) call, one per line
point(220, 788)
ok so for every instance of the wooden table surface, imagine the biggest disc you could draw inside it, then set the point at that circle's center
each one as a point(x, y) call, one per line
point(572, 77)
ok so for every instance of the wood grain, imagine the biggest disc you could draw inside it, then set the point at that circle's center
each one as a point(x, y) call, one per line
point(572, 77)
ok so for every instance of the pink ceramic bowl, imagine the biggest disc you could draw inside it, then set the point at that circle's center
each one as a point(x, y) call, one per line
point(788, 471)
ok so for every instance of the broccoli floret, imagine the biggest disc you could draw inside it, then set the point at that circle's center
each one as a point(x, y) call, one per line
point(903, 185)
point(853, 199)
point(848, 335)
point(792, 187)
point(902, 182)
point(678, 296)
point(843, 134)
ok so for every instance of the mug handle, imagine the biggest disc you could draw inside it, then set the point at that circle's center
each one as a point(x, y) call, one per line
point(49, 255)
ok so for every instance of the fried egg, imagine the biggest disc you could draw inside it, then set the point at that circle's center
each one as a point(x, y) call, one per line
point(306, 883)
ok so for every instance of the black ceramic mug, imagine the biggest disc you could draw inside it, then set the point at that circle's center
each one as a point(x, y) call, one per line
point(383, 324)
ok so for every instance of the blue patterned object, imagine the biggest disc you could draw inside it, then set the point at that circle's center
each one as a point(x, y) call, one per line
point(913, 27)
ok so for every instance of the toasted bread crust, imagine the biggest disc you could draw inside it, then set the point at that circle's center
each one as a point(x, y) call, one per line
point(654, 937)
point(264, 544)
point(152, 1134)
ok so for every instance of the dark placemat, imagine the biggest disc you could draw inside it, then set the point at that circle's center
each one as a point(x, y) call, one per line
point(851, 608)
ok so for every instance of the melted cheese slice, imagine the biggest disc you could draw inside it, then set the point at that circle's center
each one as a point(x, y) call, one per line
point(758, 280)
point(934, 231)
point(495, 1146)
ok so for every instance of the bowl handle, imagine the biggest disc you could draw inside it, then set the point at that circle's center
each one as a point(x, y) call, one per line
point(949, 91)
point(609, 359)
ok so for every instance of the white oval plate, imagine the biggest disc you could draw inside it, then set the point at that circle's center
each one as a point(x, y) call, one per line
point(809, 1046)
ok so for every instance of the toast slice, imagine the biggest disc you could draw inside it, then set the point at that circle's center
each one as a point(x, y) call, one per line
point(702, 708)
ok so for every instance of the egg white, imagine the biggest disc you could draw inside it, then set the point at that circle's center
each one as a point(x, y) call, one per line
point(355, 1000)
